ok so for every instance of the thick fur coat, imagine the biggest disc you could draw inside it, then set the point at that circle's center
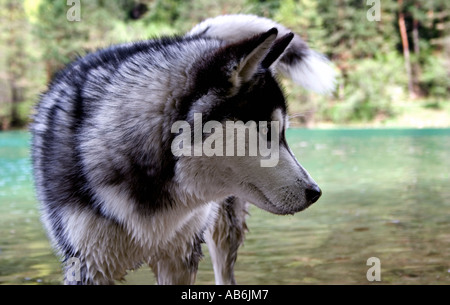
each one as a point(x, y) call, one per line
point(113, 194)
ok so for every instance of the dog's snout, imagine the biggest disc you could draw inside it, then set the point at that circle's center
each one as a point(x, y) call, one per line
point(313, 194)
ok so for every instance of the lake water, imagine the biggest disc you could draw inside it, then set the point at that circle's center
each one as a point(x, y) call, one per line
point(386, 194)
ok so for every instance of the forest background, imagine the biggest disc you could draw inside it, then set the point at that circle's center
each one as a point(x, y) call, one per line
point(392, 57)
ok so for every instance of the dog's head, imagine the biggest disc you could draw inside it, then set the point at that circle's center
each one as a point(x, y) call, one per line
point(232, 139)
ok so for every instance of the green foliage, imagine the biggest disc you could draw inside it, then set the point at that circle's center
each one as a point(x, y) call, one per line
point(265, 8)
point(19, 65)
point(301, 15)
point(435, 78)
point(37, 39)
point(349, 34)
point(370, 90)
point(102, 23)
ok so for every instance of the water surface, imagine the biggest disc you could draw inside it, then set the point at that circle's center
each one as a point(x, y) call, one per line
point(386, 194)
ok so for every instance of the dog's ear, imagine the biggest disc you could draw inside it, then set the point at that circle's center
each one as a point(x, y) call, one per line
point(277, 50)
point(255, 50)
point(236, 63)
point(245, 57)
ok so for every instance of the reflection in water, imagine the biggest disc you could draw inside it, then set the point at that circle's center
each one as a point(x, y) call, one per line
point(386, 194)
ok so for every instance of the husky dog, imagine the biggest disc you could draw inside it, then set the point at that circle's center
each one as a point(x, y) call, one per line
point(113, 194)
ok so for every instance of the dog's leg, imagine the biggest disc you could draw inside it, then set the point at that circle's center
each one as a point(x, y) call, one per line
point(177, 267)
point(171, 271)
point(225, 237)
point(76, 272)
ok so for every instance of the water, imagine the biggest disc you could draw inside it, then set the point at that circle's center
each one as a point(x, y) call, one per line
point(386, 194)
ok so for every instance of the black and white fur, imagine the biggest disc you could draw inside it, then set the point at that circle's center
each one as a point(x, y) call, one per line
point(304, 66)
point(112, 193)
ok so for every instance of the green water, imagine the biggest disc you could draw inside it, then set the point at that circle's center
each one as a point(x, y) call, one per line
point(386, 194)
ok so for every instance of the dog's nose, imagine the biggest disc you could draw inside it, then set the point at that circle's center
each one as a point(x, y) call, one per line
point(313, 194)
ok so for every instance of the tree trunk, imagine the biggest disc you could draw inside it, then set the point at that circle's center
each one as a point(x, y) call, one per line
point(15, 64)
point(416, 36)
point(404, 36)
point(16, 98)
point(416, 65)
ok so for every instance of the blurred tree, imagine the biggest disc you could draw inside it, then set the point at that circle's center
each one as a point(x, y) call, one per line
point(193, 12)
point(265, 8)
point(102, 23)
point(15, 61)
point(37, 39)
point(61, 39)
point(405, 44)
point(303, 17)
point(425, 22)
point(350, 35)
